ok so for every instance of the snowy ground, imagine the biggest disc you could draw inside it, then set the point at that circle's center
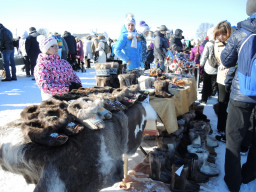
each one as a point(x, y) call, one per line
point(16, 95)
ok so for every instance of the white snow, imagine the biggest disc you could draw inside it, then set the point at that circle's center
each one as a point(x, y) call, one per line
point(16, 95)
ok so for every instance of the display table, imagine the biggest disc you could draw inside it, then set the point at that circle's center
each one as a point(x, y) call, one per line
point(168, 109)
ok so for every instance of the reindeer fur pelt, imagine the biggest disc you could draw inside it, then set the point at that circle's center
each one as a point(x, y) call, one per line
point(87, 162)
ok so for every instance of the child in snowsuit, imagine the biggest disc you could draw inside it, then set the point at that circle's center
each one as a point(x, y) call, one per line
point(53, 75)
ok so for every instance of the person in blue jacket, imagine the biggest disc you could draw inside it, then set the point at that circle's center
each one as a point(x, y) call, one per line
point(128, 46)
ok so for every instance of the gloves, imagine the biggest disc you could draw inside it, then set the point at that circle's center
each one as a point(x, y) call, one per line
point(74, 86)
point(227, 88)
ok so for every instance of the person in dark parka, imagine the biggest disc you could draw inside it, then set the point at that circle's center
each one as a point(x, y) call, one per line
point(160, 46)
point(176, 44)
point(241, 107)
point(71, 41)
point(7, 53)
point(32, 48)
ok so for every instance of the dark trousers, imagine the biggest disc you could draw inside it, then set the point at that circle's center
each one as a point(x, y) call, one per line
point(209, 86)
point(223, 98)
point(238, 125)
point(32, 62)
point(27, 64)
point(71, 59)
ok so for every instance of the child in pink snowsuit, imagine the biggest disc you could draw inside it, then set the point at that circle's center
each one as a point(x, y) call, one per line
point(53, 75)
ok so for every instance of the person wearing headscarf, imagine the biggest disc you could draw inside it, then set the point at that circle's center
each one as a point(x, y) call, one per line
point(128, 46)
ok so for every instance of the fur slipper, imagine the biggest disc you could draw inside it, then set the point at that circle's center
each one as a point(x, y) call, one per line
point(36, 132)
point(86, 111)
point(30, 112)
point(53, 118)
point(134, 88)
point(52, 103)
point(120, 93)
point(70, 96)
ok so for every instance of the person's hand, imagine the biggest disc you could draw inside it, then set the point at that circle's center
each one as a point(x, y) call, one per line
point(226, 71)
point(128, 63)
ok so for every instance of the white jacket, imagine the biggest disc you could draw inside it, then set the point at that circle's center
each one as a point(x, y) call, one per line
point(204, 59)
point(88, 49)
point(22, 43)
point(102, 55)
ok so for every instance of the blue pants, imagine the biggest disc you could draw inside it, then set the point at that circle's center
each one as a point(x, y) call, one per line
point(8, 58)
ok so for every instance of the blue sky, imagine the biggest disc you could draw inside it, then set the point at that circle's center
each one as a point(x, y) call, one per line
point(81, 16)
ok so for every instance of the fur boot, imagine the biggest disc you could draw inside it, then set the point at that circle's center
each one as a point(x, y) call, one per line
point(124, 80)
point(103, 81)
point(87, 112)
point(180, 182)
point(194, 174)
point(161, 89)
point(146, 83)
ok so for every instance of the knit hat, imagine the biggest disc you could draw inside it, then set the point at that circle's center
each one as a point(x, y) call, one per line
point(130, 19)
point(46, 42)
point(251, 7)
point(32, 29)
point(143, 28)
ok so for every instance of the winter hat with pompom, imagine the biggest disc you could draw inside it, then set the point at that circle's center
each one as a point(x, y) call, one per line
point(46, 42)
point(251, 7)
point(130, 19)
point(143, 28)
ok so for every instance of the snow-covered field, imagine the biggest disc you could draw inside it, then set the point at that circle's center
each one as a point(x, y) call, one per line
point(16, 95)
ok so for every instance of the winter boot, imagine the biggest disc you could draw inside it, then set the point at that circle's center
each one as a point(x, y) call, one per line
point(161, 89)
point(194, 173)
point(179, 182)
point(124, 80)
point(103, 81)
point(88, 64)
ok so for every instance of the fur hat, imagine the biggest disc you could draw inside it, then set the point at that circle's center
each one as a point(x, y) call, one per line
point(32, 29)
point(251, 7)
point(162, 28)
point(46, 42)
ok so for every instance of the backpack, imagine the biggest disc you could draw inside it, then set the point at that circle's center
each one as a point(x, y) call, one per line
point(247, 65)
point(212, 59)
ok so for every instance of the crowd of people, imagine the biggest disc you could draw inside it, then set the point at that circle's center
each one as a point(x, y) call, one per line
point(51, 60)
